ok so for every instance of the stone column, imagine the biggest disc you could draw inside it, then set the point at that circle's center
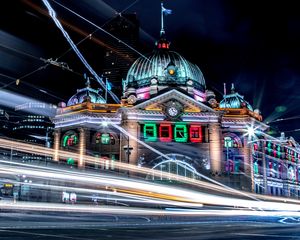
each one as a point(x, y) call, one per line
point(248, 165)
point(265, 178)
point(215, 149)
point(285, 179)
point(133, 128)
point(82, 147)
point(56, 145)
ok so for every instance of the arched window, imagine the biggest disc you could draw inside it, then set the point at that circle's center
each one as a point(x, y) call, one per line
point(98, 138)
point(231, 141)
point(229, 166)
point(70, 139)
point(291, 174)
point(228, 142)
point(104, 138)
point(255, 167)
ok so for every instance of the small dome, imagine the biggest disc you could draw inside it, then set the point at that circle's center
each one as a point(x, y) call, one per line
point(234, 100)
point(83, 94)
point(169, 69)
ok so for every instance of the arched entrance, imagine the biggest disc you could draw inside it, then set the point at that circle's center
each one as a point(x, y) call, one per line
point(177, 164)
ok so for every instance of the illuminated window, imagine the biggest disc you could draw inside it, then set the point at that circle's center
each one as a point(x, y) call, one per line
point(228, 142)
point(236, 166)
point(165, 132)
point(255, 168)
point(98, 137)
point(195, 133)
point(150, 132)
point(70, 139)
point(231, 142)
point(291, 174)
point(105, 138)
point(70, 161)
point(229, 166)
point(180, 133)
point(171, 71)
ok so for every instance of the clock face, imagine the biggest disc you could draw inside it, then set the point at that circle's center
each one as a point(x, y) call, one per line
point(172, 111)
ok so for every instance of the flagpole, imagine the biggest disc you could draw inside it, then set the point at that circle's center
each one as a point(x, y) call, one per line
point(106, 89)
point(162, 31)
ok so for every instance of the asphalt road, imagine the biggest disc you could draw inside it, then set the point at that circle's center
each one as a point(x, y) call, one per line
point(39, 226)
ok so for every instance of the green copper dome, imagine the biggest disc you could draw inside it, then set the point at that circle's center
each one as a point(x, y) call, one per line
point(169, 69)
point(234, 100)
point(83, 94)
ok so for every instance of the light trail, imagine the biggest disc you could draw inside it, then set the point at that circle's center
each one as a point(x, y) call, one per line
point(118, 165)
point(118, 211)
point(157, 191)
point(29, 148)
point(126, 197)
point(52, 13)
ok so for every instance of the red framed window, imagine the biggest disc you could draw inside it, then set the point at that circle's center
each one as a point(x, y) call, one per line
point(165, 132)
point(195, 133)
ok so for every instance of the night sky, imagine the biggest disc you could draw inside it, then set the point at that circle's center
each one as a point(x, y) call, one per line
point(254, 44)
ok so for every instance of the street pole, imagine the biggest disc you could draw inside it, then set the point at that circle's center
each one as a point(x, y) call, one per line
point(11, 152)
point(128, 151)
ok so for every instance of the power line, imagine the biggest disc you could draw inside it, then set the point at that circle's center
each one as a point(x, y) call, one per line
point(18, 51)
point(103, 30)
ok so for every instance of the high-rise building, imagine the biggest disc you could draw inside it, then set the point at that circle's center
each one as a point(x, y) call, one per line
point(119, 57)
point(4, 123)
point(32, 124)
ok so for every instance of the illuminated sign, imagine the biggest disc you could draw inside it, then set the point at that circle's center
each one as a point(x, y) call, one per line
point(165, 132)
point(8, 185)
point(180, 132)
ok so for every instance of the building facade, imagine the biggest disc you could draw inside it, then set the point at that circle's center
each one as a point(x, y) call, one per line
point(32, 124)
point(169, 121)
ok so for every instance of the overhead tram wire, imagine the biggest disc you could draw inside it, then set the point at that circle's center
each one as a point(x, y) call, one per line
point(26, 83)
point(96, 30)
point(52, 13)
point(103, 30)
point(37, 58)
point(18, 51)
point(24, 76)
point(100, 28)
point(40, 59)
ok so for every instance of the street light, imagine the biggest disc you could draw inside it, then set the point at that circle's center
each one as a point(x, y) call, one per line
point(250, 132)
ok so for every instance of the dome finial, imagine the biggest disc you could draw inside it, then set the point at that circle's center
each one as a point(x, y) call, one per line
point(88, 82)
point(232, 88)
point(224, 84)
point(163, 43)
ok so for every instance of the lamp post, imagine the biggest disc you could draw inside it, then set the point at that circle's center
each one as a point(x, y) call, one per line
point(127, 148)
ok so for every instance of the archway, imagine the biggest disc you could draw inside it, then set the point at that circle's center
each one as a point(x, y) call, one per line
point(177, 164)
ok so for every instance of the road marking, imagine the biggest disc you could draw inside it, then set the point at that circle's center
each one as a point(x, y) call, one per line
point(45, 235)
point(270, 236)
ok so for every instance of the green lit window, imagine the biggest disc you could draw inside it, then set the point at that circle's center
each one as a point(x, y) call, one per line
point(105, 138)
point(150, 132)
point(255, 168)
point(228, 142)
point(180, 133)
point(70, 139)
point(269, 145)
point(236, 166)
point(278, 148)
point(70, 161)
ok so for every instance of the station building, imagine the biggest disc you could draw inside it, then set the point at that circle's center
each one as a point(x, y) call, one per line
point(189, 132)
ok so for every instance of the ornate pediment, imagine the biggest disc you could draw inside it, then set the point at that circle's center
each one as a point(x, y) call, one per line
point(161, 102)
